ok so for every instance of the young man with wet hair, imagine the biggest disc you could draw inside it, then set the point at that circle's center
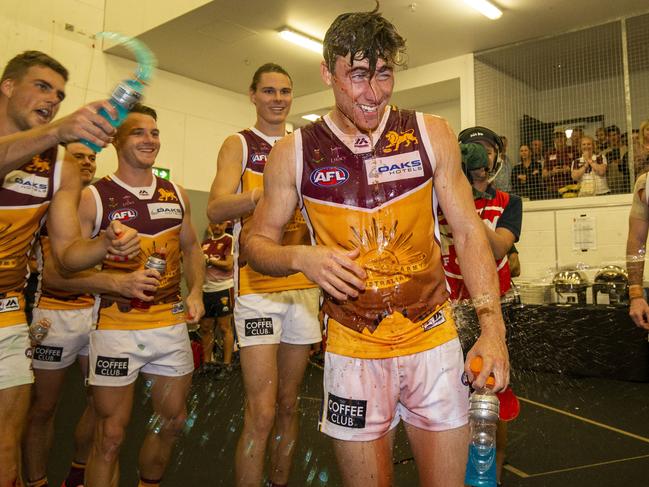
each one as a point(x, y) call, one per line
point(276, 319)
point(35, 182)
point(367, 178)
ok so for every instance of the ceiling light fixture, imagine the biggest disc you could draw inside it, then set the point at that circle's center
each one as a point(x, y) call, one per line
point(301, 40)
point(486, 8)
point(311, 117)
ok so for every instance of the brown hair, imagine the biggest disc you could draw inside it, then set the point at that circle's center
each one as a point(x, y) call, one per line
point(267, 68)
point(145, 110)
point(363, 35)
point(18, 65)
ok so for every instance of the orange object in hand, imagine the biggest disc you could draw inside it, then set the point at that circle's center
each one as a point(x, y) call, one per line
point(509, 405)
point(476, 368)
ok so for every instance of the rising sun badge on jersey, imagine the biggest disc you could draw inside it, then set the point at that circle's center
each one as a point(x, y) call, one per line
point(387, 255)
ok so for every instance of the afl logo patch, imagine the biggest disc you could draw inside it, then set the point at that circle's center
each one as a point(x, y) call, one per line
point(123, 215)
point(329, 176)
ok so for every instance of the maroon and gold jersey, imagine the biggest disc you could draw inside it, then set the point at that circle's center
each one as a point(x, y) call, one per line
point(376, 194)
point(25, 195)
point(156, 212)
point(256, 147)
point(48, 297)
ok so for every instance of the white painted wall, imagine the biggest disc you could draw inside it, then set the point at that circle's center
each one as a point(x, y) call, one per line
point(547, 240)
point(194, 118)
point(450, 110)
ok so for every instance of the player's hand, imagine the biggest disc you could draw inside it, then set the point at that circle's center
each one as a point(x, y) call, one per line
point(639, 312)
point(134, 284)
point(195, 309)
point(87, 124)
point(123, 243)
point(492, 348)
point(334, 270)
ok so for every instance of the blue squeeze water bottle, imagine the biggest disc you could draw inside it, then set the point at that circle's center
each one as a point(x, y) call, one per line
point(483, 420)
point(128, 92)
point(124, 97)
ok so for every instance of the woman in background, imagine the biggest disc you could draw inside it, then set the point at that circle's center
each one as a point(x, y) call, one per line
point(590, 170)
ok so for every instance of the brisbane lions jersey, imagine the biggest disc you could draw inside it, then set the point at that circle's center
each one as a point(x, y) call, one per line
point(256, 147)
point(156, 212)
point(48, 297)
point(25, 195)
point(375, 193)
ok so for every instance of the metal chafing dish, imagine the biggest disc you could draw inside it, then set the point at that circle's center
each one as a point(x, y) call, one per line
point(611, 286)
point(571, 286)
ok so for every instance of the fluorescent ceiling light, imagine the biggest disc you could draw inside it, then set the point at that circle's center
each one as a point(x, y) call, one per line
point(311, 117)
point(486, 8)
point(569, 133)
point(301, 40)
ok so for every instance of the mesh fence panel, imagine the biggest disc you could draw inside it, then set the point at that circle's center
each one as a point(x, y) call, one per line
point(571, 108)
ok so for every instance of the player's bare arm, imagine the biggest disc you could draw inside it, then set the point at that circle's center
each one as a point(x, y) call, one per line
point(455, 198)
point(635, 245)
point(84, 124)
point(128, 285)
point(222, 264)
point(71, 252)
point(193, 264)
point(500, 241)
point(224, 201)
point(334, 270)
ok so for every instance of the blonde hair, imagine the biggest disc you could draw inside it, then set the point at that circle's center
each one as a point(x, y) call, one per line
point(643, 126)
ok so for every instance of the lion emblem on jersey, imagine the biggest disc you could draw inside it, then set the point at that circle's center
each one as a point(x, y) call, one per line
point(38, 165)
point(395, 140)
point(166, 195)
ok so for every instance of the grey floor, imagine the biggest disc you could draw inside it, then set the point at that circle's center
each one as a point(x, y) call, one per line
point(571, 432)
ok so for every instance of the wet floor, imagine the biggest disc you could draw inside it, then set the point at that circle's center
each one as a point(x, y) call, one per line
point(571, 432)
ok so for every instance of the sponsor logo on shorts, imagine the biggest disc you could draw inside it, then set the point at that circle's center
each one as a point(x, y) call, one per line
point(435, 320)
point(9, 304)
point(349, 413)
point(394, 168)
point(111, 366)
point(45, 353)
point(165, 210)
point(258, 326)
point(177, 308)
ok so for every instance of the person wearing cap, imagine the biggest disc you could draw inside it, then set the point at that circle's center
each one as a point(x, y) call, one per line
point(502, 214)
